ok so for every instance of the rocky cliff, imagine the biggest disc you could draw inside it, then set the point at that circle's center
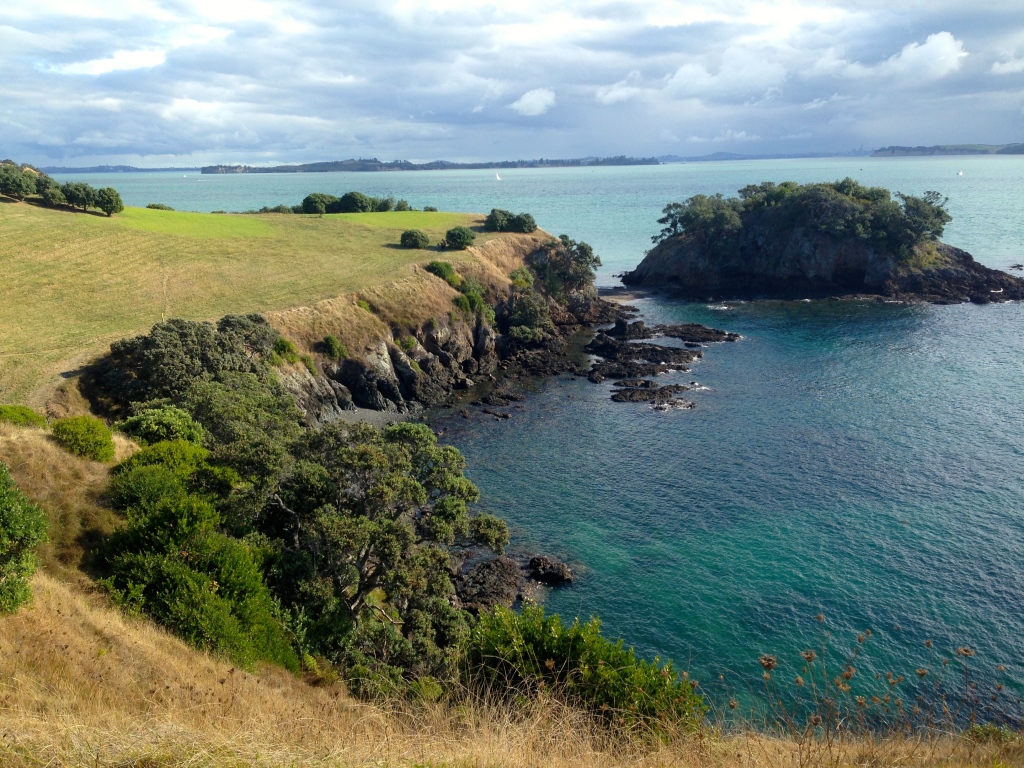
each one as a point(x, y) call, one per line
point(804, 263)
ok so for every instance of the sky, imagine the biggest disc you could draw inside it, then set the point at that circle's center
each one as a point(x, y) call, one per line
point(178, 82)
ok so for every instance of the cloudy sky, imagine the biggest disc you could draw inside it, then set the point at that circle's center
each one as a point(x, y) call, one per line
point(173, 82)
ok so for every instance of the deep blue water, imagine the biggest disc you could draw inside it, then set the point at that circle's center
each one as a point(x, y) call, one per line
point(864, 461)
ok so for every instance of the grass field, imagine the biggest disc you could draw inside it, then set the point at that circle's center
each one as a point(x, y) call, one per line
point(74, 282)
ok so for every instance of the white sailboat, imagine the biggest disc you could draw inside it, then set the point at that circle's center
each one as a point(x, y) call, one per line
point(497, 177)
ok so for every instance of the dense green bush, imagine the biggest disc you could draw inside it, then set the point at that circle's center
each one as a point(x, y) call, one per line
point(159, 207)
point(159, 423)
point(459, 238)
point(319, 202)
point(109, 201)
point(171, 564)
point(335, 349)
point(21, 416)
point(429, 209)
point(356, 202)
point(446, 272)
point(403, 205)
point(500, 220)
point(565, 266)
point(84, 436)
point(414, 238)
point(177, 353)
point(79, 194)
point(22, 529)
point(524, 653)
point(183, 459)
point(52, 196)
point(16, 183)
point(522, 277)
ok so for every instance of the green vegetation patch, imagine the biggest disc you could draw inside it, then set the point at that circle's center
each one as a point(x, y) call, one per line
point(22, 529)
point(195, 225)
point(21, 416)
point(84, 436)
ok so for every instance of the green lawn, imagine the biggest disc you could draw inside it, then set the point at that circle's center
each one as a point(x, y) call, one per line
point(74, 282)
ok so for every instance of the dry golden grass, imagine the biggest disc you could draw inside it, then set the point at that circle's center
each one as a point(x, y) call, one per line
point(83, 685)
point(68, 488)
point(74, 282)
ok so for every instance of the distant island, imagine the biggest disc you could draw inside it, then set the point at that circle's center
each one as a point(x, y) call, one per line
point(951, 149)
point(373, 164)
point(793, 241)
point(112, 169)
point(716, 157)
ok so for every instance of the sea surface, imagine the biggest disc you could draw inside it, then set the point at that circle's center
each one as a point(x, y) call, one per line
point(862, 461)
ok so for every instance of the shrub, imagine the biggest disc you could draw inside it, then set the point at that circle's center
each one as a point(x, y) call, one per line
point(446, 272)
point(159, 207)
point(84, 436)
point(383, 204)
point(364, 305)
point(180, 458)
point(166, 422)
point(526, 335)
point(284, 351)
point(459, 238)
point(335, 349)
point(53, 197)
point(21, 416)
point(522, 222)
point(16, 183)
point(144, 486)
point(429, 209)
point(79, 194)
point(522, 277)
point(414, 238)
point(171, 564)
point(22, 528)
point(318, 202)
point(497, 220)
point(109, 201)
point(403, 205)
point(355, 202)
point(528, 652)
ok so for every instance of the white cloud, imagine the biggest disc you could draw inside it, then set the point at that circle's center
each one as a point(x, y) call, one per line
point(743, 71)
point(621, 91)
point(118, 62)
point(535, 102)
point(1011, 67)
point(939, 55)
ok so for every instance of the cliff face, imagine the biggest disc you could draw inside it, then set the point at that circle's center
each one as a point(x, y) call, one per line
point(804, 264)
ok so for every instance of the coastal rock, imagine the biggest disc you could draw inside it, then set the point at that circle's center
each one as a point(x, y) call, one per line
point(805, 263)
point(546, 570)
point(489, 584)
point(648, 395)
point(321, 400)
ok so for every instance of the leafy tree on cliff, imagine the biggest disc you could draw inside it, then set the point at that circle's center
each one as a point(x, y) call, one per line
point(712, 220)
point(364, 522)
point(565, 266)
point(16, 183)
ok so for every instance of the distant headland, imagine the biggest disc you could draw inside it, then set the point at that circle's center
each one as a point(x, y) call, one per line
point(951, 149)
point(373, 164)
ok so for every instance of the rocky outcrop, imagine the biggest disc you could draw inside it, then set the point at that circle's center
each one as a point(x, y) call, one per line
point(801, 263)
point(321, 400)
point(506, 580)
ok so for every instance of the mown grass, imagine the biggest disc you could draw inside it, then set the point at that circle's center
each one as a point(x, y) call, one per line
point(74, 282)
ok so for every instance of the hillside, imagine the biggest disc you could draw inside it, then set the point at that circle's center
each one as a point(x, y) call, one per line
point(950, 149)
point(74, 282)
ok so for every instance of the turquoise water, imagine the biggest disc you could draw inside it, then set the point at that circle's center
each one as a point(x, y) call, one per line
point(863, 461)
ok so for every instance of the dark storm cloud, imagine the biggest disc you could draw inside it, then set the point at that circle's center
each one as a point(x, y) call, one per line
point(160, 81)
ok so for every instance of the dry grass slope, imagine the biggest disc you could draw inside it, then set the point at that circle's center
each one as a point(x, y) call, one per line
point(73, 282)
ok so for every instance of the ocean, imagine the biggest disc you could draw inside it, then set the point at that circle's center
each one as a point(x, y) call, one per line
point(858, 460)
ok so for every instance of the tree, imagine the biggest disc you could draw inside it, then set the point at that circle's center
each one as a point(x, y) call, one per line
point(355, 202)
point(109, 201)
point(414, 238)
point(318, 202)
point(497, 220)
point(522, 222)
point(22, 529)
point(926, 216)
point(79, 194)
point(459, 238)
point(365, 519)
point(711, 220)
point(565, 266)
point(53, 197)
point(16, 183)
point(403, 205)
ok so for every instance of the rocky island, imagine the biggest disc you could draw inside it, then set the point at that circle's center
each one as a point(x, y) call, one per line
point(838, 239)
